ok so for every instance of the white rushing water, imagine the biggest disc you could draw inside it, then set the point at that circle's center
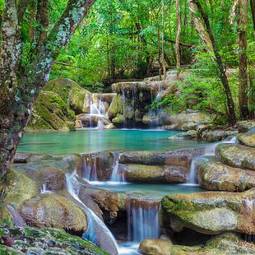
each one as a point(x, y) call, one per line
point(97, 110)
point(44, 189)
point(89, 168)
point(117, 176)
point(143, 219)
point(97, 231)
point(210, 150)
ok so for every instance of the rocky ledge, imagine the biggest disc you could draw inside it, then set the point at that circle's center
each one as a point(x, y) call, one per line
point(224, 244)
point(17, 241)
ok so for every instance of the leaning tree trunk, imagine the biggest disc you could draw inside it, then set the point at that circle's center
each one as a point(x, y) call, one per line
point(205, 32)
point(19, 85)
point(243, 62)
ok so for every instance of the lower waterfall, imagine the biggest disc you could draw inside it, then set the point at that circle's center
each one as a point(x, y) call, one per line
point(97, 231)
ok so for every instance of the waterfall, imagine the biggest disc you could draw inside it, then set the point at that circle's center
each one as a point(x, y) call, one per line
point(89, 168)
point(117, 174)
point(44, 189)
point(143, 219)
point(193, 170)
point(97, 232)
point(97, 110)
point(209, 151)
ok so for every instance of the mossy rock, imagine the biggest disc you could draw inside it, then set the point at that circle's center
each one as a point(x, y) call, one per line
point(52, 210)
point(57, 104)
point(212, 212)
point(118, 120)
point(51, 112)
point(224, 244)
point(116, 107)
point(236, 155)
point(21, 188)
point(247, 139)
point(46, 241)
point(71, 93)
point(214, 175)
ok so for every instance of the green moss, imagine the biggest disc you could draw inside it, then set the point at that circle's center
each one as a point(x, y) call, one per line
point(51, 112)
point(51, 240)
point(118, 120)
point(4, 250)
point(116, 107)
point(21, 188)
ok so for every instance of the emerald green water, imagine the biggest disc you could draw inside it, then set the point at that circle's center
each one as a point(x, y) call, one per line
point(86, 141)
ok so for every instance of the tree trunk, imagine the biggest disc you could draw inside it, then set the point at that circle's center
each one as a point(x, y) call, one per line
point(178, 35)
point(18, 90)
point(243, 62)
point(204, 29)
point(252, 3)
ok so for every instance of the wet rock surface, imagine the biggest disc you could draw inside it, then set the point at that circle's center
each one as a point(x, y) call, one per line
point(155, 174)
point(225, 244)
point(211, 212)
point(247, 139)
point(30, 240)
point(52, 210)
point(214, 175)
point(236, 155)
point(177, 158)
point(188, 120)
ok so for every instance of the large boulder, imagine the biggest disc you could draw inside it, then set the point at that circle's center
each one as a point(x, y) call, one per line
point(246, 125)
point(52, 210)
point(211, 212)
point(216, 134)
point(189, 120)
point(224, 244)
point(213, 175)
point(236, 155)
point(71, 93)
point(175, 158)
point(51, 112)
point(20, 188)
point(21, 241)
point(105, 204)
point(53, 178)
point(155, 247)
point(155, 174)
point(247, 139)
point(116, 107)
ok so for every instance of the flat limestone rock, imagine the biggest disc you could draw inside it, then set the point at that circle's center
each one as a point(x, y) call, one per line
point(211, 212)
point(236, 155)
point(214, 175)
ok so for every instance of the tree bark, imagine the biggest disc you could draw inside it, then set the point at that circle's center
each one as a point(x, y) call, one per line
point(204, 29)
point(252, 3)
point(243, 61)
point(178, 35)
point(18, 90)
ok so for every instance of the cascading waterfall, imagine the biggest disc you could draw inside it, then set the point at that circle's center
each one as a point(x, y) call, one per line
point(97, 231)
point(209, 151)
point(44, 189)
point(89, 168)
point(117, 174)
point(97, 109)
point(143, 219)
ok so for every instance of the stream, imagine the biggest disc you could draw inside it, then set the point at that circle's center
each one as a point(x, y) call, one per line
point(144, 199)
